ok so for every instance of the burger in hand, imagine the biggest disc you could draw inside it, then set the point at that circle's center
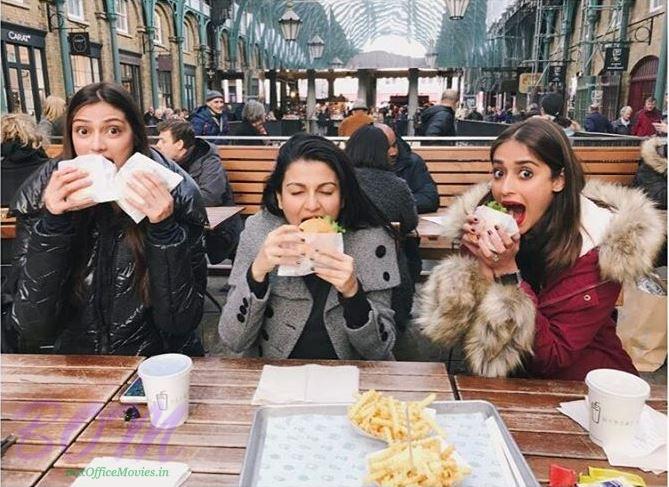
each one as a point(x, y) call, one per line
point(493, 214)
point(320, 224)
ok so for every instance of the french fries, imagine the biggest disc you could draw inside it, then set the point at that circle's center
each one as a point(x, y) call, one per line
point(429, 464)
point(384, 417)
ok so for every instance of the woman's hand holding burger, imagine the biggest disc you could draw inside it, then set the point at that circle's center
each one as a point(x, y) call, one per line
point(336, 268)
point(283, 246)
point(495, 249)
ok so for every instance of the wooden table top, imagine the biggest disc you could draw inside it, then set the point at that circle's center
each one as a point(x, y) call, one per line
point(47, 400)
point(544, 435)
point(212, 441)
point(65, 411)
point(218, 214)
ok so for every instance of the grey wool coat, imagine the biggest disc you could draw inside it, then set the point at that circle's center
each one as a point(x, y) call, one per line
point(270, 327)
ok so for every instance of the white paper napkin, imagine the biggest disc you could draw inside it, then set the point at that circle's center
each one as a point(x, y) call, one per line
point(307, 384)
point(647, 451)
point(140, 162)
point(113, 471)
point(101, 172)
point(318, 241)
point(110, 184)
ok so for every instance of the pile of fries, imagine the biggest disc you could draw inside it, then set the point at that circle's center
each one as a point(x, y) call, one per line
point(426, 464)
point(384, 417)
point(415, 457)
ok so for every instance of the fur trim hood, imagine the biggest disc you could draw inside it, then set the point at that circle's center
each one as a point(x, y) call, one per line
point(650, 156)
point(496, 324)
point(629, 244)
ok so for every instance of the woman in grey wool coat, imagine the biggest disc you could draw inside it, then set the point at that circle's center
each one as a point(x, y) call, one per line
point(343, 309)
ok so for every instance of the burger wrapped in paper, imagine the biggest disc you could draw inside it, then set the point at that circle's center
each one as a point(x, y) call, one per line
point(320, 233)
point(493, 214)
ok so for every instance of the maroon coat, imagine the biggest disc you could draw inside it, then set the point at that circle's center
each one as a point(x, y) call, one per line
point(575, 331)
point(566, 329)
point(643, 123)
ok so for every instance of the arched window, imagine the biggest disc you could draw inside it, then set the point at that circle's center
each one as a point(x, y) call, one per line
point(121, 7)
point(158, 27)
point(642, 81)
point(188, 38)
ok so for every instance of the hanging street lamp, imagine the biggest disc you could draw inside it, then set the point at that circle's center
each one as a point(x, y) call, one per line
point(336, 63)
point(316, 46)
point(457, 8)
point(290, 24)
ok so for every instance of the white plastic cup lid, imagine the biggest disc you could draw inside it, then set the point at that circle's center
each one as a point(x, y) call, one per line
point(165, 366)
point(618, 383)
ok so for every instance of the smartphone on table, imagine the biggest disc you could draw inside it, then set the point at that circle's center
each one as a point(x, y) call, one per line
point(134, 394)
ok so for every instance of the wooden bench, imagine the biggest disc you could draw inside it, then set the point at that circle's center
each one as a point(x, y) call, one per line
point(454, 169)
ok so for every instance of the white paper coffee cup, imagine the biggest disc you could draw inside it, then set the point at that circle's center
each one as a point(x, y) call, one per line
point(615, 401)
point(166, 380)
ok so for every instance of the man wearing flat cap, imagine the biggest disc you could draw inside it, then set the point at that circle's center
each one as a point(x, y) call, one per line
point(211, 119)
point(357, 119)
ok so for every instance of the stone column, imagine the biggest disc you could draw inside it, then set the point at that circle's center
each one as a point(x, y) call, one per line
point(311, 99)
point(413, 98)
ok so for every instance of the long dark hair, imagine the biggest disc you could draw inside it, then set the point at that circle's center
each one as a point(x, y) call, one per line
point(119, 98)
point(357, 210)
point(368, 147)
point(554, 242)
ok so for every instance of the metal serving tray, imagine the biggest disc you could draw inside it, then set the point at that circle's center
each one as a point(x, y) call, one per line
point(327, 451)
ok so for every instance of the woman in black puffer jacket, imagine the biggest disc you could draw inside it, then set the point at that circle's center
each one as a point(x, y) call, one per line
point(88, 279)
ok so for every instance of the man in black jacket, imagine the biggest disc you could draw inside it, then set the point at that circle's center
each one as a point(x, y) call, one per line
point(439, 120)
point(176, 140)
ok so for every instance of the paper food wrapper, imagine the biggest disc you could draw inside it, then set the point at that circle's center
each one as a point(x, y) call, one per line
point(318, 241)
point(140, 162)
point(489, 218)
point(110, 184)
point(101, 172)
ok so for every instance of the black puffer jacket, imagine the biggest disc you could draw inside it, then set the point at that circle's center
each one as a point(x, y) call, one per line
point(109, 317)
point(17, 162)
point(438, 120)
point(412, 168)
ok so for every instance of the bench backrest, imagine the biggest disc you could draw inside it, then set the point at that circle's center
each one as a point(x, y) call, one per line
point(452, 168)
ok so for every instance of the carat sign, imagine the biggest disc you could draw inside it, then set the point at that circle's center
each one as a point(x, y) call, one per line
point(527, 81)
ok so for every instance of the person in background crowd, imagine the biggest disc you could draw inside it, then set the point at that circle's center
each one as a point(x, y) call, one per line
point(461, 112)
point(552, 108)
point(533, 110)
point(22, 152)
point(651, 177)
point(645, 118)
point(90, 280)
point(53, 119)
point(200, 159)
point(322, 120)
point(211, 119)
point(474, 115)
point(253, 124)
point(368, 150)
point(357, 119)
point(439, 120)
point(541, 302)
point(343, 309)
point(150, 117)
point(412, 168)
point(623, 126)
point(596, 122)
point(505, 115)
